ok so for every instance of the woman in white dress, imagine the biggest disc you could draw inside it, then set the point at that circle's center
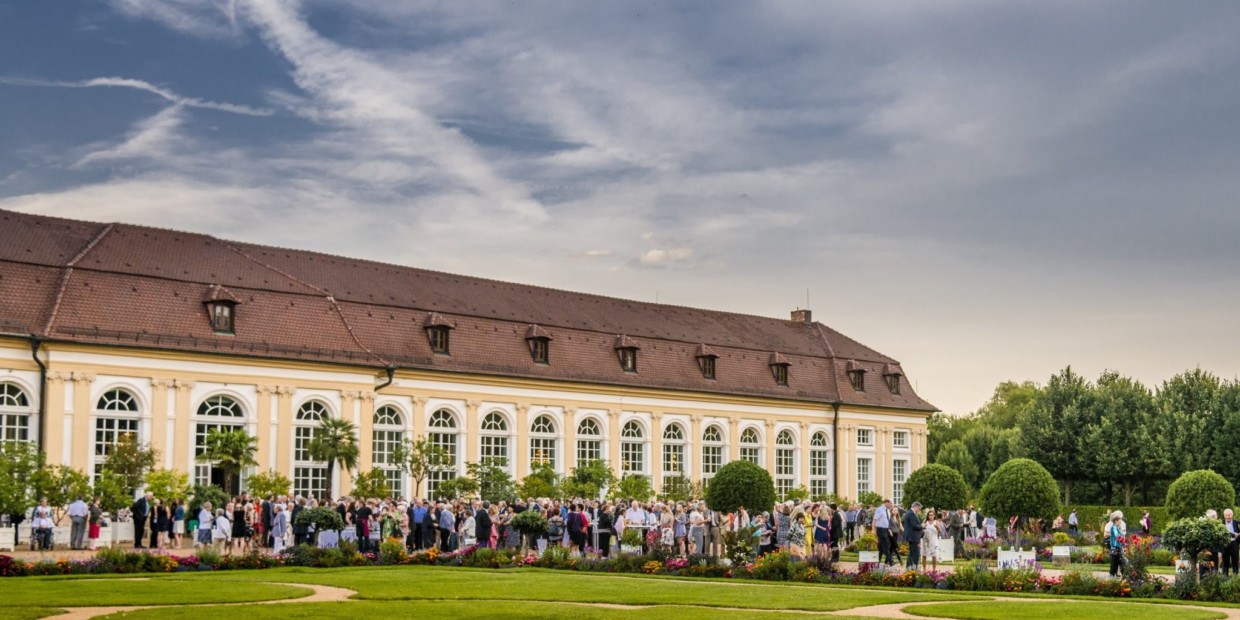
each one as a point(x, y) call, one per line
point(933, 530)
point(469, 534)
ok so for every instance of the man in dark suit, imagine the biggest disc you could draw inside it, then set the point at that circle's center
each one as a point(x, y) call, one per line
point(482, 523)
point(837, 532)
point(266, 516)
point(912, 534)
point(1231, 552)
point(299, 529)
point(141, 512)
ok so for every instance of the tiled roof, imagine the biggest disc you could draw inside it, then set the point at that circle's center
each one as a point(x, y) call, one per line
point(136, 286)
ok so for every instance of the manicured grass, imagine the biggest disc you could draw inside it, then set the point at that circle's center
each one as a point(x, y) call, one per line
point(38, 592)
point(428, 582)
point(508, 610)
point(1036, 610)
point(26, 613)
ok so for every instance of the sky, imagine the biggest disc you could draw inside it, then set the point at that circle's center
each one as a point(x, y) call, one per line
point(985, 191)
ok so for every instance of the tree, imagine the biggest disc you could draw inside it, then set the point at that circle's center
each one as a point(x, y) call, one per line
point(1021, 488)
point(494, 483)
point(936, 486)
point(168, 484)
point(269, 483)
point(542, 482)
point(373, 483)
point(531, 523)
point(589, 479)
point(19, 460)
point(1189, 419)
point(458, 487)
point(956, 456)
point(231, 451)
point(1120, 443)
point(131, 461)
point(1194, 535)
point(740, 483)
point(60, 484)
point(1053, 426)
point(633, 486)
point(201, 494)
point(335, 441)
point(110, 489)
point(419, 458)
point(322, 518)
point(680, 488)
point(1195, 492)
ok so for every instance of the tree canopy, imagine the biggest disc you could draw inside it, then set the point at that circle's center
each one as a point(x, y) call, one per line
point(1195, 492)
point(740, 483)
point(936, 486)
point(1020, 488)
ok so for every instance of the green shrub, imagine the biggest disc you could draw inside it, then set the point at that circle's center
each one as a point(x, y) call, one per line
point(936, 486)
point(1192, 536)
point(1021, 487)
point(321, 518)
point(1089, 517)
point(1195, 492)
point(740, 483)
point(392, 551)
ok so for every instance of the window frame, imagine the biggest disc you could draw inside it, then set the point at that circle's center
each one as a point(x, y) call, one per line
point(439, 337)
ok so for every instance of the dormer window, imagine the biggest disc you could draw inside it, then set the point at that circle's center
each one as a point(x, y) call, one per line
point(892, 375)
point(221, 308)
point(539, 341)
point(856, 376)
point(626, 350)
point(779, 368)
point(438, 328)
point(706, 361)
point(222, 317)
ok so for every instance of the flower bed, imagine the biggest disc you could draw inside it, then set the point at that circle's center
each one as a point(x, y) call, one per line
point(980, 576)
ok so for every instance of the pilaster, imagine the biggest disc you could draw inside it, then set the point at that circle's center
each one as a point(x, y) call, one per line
point(266, 438)
point(471, 434)
point(570, 439)
point(180, 420)
point(284, 434)
point(81, 433)
point(53, 425)
point(521, 451)
point(693, 457)
point(613, 443)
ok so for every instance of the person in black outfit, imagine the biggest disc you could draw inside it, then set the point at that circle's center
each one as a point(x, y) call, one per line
point(603, 527)
point(266, 516)
point(161, 523)
point(482, 525)
point(300, 530)
point(141, 511)
point(362, 519)
point(837, 532)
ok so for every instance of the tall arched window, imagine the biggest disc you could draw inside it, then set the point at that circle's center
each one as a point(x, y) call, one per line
point(116, 418)
point(309, 475)
point(712, 451)
point(216, 413)
point(785, 463)
point(443, 433)
point(589, 441)
point(15, 412)
point(543, 442)
point(819, 465)
point(751, 446)
point(674, 450)
point(633, 448)
point(494, 439)
point(388, 435)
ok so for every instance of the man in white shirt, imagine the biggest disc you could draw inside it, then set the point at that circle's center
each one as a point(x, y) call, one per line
point(42, 524)
point(78, 512)
point(205, 525)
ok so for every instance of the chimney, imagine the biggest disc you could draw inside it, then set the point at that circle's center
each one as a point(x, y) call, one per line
point(802, 316)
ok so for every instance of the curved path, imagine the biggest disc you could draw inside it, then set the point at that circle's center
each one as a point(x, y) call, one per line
point(332, 594)
point(319, 594)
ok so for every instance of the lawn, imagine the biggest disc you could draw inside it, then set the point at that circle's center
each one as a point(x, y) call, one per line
point(157, 591)
point(1076, 610)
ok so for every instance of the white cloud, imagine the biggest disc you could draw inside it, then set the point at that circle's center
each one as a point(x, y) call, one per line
point(152, 137)
point(119, 82)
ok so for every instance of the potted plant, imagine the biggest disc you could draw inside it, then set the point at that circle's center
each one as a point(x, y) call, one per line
point(867, 549)
point(631, 540)
point(531, 524)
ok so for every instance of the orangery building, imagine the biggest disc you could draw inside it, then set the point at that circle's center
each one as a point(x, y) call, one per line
point(108, 330)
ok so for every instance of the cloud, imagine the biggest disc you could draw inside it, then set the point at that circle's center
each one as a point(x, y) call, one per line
point(119, 82)
point(150, 138)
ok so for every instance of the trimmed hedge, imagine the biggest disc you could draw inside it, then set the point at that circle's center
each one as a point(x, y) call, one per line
point(1089, 518)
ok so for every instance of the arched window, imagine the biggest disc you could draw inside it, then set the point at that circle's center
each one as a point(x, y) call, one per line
point(819, 465)
point(216, 413)
point(589, 441)
point(712, 451)
point(751, 446)
point(543, 442)
point(443, 434)
point(15, 412)
point(785, 463)
point(674, 450)
point(116, 418)
point(633, 448)
point(494, 439)
point(309, 475)
point(388, 435)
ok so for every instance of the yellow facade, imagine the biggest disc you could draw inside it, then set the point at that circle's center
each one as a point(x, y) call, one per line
point(170, 388)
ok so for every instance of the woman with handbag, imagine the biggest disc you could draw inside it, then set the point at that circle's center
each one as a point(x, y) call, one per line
point(1115, 541)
